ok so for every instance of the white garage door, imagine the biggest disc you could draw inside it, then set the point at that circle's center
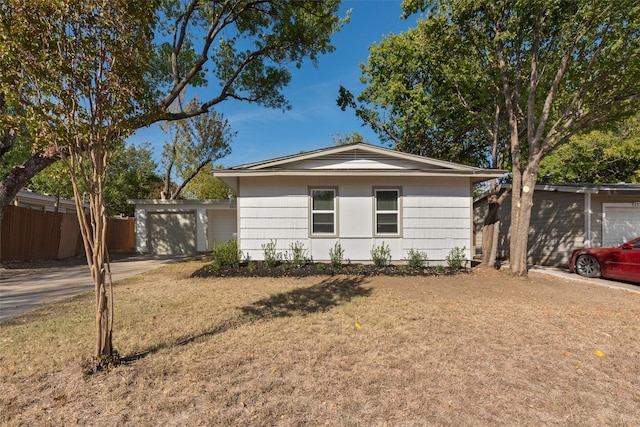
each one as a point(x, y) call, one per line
point(621, 223)
point(172, 233)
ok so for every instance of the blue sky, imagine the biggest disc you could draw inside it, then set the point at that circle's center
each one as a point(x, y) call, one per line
point(264, 133)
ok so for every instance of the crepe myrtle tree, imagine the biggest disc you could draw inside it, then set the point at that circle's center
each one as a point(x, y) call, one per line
point(77, 100)
point(79, 76)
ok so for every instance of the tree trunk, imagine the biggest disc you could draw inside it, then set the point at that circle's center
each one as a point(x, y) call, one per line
point(19, 177)
point(93, 228)
point(521, 220)
point(490, 231)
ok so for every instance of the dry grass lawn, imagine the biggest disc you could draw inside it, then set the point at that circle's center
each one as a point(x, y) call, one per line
point(482, 348)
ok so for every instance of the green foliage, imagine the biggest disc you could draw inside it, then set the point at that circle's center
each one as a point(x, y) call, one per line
point(254, 48)
point(426, 95)
point(227, 254)
point(596, 157)
point(205, 186)
point(195, 143)
point(299, 256)
point(320, 266)
point(416, 258)
point(381, 255)
point(336, 255)
point(130, 176)
point(350, 138)
point(271, 256)
point(456, 258)
point(47, 49)
point(251, 266)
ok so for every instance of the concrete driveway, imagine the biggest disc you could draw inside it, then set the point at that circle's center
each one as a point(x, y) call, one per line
point(566, 274)
point(26, 292)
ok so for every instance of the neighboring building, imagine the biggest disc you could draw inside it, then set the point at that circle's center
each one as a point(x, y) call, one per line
point(176, 227)
point(45, 202)
point(359, 195)
point(567, 217)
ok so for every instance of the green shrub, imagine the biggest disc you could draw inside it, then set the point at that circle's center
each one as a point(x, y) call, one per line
point(416, 259)
point(299, 255)
point(226, 254)
point(251, 266)
point(320, 266)
point(336, 255)
point(456, 258)
point(381, 255)
point(271, 257)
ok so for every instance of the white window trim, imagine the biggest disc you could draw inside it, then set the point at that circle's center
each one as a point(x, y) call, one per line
point(312, 211)
point(398, 212)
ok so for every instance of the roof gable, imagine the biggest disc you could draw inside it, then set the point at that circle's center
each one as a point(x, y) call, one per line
point(355, 160)
point(358, 156)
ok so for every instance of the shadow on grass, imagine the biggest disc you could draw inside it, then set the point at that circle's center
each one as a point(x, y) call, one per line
point(299, 302)
point(324, 296)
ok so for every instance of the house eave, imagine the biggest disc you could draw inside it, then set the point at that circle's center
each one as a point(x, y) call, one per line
point(183, 202)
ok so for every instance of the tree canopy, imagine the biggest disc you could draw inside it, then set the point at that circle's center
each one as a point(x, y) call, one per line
point(599, 156)
point(195, 142)
point(206, 186)
point(242, 49)
point(428, 94)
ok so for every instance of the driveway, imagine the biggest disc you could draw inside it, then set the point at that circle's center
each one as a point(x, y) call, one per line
point(35, 289)
point(566, 274)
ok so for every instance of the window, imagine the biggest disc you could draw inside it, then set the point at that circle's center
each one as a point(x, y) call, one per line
point(387, 212)
point(323, 211)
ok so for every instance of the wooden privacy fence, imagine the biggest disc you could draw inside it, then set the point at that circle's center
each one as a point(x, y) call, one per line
point(32, 235)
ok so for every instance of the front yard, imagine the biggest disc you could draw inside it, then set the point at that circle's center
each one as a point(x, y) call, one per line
point(482, 348)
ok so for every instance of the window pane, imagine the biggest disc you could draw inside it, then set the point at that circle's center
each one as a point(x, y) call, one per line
point(387, 200)
point(323, 223)
point(322, 200)
point(387, 223)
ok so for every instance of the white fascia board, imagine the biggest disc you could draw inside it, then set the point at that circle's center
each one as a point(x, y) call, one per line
point(479, 175)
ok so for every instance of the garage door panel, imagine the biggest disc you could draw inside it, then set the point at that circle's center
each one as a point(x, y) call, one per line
point(621, 224)
point(172, 233)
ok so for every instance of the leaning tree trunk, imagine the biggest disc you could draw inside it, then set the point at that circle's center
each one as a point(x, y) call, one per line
point(18, 177)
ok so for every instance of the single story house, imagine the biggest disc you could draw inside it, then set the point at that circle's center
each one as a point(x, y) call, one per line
point(359, 195)
point(178, 227)
point(567, 217)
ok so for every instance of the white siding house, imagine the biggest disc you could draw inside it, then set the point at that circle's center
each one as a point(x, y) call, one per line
point(359, 195)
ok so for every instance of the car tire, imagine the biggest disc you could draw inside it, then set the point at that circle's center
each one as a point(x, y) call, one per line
point(588, 266)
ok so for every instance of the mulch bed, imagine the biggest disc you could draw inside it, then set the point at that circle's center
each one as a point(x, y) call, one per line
point(261, 269)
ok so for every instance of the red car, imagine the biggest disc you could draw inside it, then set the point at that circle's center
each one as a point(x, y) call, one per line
point(621, 262)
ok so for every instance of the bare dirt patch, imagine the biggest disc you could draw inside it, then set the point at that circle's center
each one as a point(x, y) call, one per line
point(483, 348)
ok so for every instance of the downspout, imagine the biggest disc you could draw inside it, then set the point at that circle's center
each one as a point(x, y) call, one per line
point(587, 219)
